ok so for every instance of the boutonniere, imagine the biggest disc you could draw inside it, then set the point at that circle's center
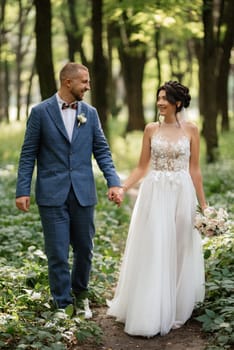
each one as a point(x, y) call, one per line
point(81, 119)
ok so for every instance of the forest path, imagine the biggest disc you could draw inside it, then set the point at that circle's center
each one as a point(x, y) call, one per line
point(188, 337)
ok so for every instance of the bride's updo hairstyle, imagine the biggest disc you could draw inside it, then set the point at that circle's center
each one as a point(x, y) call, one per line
point(176, 92)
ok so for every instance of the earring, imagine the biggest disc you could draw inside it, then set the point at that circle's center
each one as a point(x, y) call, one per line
point(159, 118)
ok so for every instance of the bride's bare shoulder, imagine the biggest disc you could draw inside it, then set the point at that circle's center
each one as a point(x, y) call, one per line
point(191, 127)
point(151, 128)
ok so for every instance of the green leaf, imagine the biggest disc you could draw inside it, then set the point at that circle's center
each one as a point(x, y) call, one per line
point(69, 310)
point(207, 253)
point(223, 339)
point(210, 313)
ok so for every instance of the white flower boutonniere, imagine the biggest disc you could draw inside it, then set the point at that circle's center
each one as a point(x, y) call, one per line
point(81, 119)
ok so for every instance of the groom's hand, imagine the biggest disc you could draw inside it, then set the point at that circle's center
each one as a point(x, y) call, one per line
point(116, 195)
point(23, 203)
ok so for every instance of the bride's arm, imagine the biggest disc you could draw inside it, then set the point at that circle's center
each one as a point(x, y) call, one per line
point(194, 166)
point(144, 160)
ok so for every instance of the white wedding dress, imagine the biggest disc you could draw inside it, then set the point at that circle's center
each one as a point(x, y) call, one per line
point(162, 272)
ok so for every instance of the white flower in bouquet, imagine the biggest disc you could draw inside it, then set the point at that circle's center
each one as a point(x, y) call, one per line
point(222, 214)
point(199, 220)
point(210, 212)
point(212, 222)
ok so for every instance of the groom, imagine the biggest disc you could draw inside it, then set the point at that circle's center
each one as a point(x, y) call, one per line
point(62, 135)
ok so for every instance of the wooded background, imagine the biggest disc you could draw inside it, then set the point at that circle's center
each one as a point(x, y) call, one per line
point(130, 47)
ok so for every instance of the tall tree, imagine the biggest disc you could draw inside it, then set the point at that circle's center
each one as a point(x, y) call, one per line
point(133, 64)
point(145, 30)
point(114, 76)
point(99, 71)
point(44, 57)
point(210, 54)
point(226, 35)
point(74, 33)
point(132, 54)
point(215, 55)
point(4, 93)
point(21, 49)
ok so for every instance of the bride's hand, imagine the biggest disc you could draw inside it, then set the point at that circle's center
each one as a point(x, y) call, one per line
point(116, 195)
point(119, 197)
point(203, 207)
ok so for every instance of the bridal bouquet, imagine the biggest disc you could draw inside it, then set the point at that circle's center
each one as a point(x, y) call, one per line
point(212, 222)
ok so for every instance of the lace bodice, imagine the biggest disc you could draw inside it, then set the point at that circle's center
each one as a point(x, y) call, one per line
point(169, 155)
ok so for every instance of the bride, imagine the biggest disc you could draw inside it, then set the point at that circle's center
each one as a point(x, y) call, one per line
point(162, 273)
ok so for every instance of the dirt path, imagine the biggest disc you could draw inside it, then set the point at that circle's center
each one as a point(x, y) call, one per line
point(188, 337)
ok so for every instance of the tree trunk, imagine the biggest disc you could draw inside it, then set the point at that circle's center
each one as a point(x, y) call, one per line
point(19, 59)
point(22, 46)
point(158, 62)
point(7, 93)
point(133, 71)
point(157, 56)
point(99, 70)
point(222, 94)
point(44, 60)
point(190, 53)
point(226, 47)
point(74, 34)
point(210, 56)
point(72, 30)
point(113, 79)
point(201, 76)
point(30, 81)
point(4, 102)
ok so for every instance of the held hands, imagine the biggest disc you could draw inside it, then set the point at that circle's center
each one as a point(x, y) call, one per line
point(116, 195)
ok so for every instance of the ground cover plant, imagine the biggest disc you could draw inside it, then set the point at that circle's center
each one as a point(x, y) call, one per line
point(217, 312)
point(27, 319)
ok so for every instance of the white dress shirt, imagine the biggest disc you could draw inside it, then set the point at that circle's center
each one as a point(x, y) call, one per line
point(68, 116)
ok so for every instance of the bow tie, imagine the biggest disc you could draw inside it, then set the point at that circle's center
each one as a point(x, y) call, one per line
point(72, 105)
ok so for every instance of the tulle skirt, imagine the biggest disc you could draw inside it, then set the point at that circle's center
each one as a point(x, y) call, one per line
point(162, 273)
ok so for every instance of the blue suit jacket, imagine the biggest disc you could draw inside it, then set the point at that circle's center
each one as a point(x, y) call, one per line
point(61, 163)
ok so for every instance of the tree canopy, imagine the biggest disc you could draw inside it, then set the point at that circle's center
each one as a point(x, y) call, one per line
point(130, 47)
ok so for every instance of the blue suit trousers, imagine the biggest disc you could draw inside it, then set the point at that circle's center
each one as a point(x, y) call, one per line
point(65, 226)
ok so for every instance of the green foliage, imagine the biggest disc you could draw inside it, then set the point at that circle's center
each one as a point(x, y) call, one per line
point(218, 308)
point(217, 311)
point(11, 140)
